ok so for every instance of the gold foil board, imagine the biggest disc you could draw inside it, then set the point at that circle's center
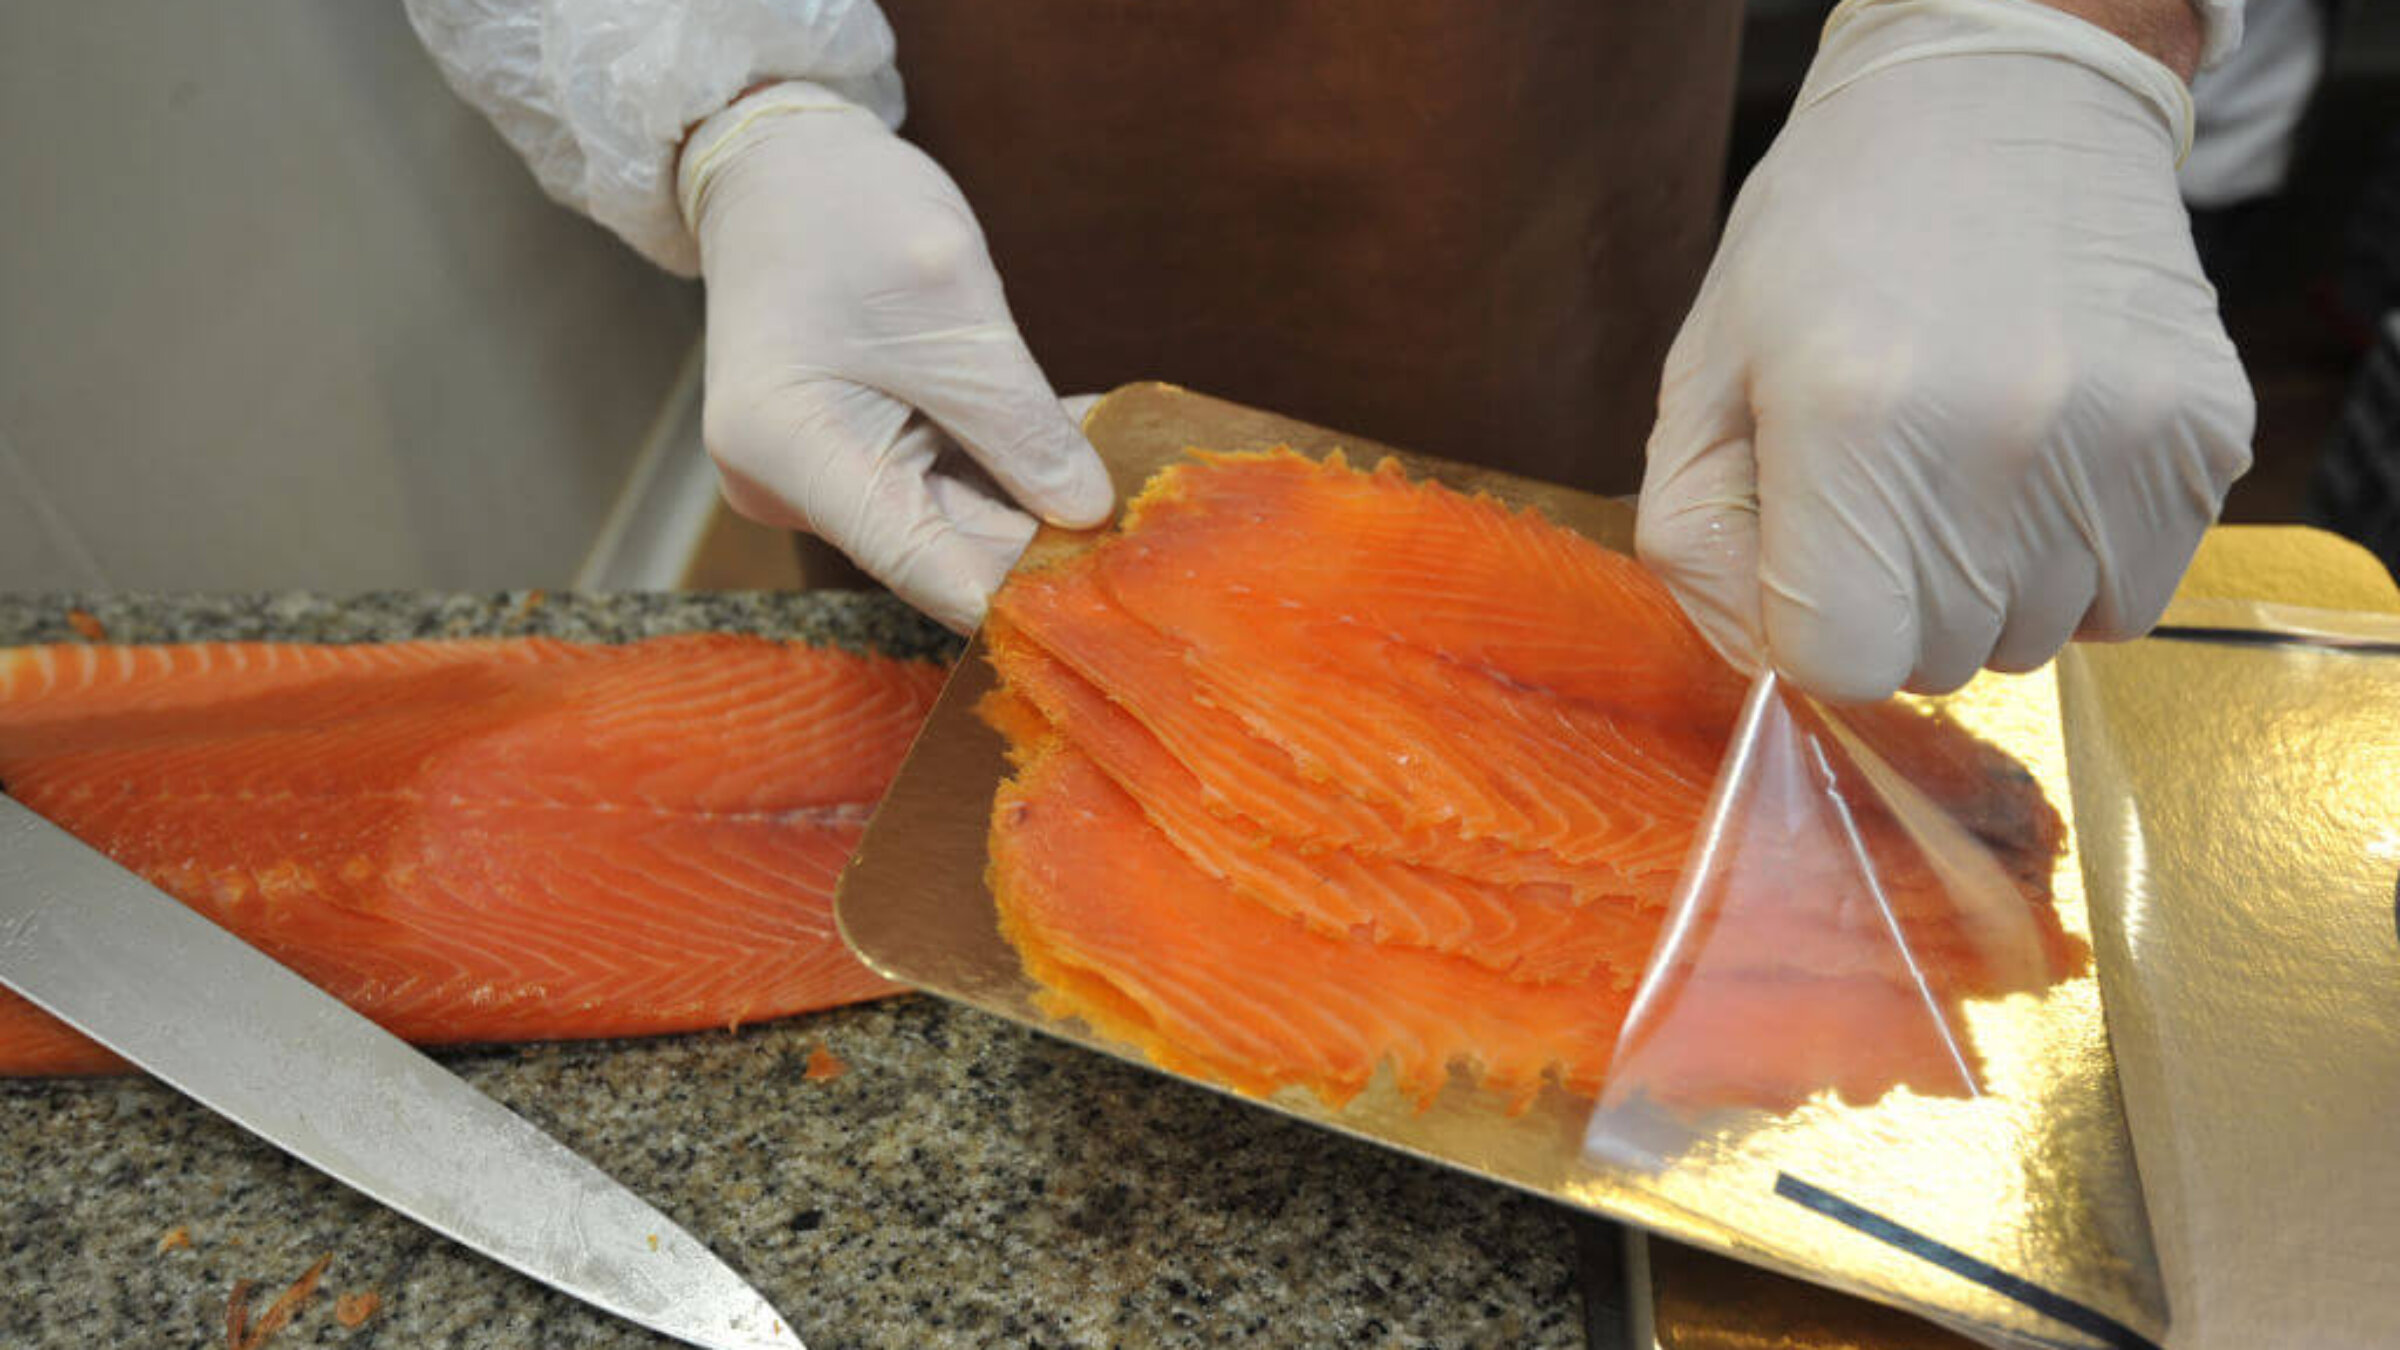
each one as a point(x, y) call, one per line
point(2205, 1013)
point(2244, 805)
point(2037, 1177)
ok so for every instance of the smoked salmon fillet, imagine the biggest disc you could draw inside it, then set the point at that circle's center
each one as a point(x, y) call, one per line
point(1322, 770)
point(1126, 933)
point(480, 840)
point(1064, 611)
point(1449, 574)
point(1532, 932)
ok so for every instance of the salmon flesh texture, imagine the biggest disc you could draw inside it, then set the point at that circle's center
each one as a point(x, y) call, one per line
point(1323, 771)
point(478, 840)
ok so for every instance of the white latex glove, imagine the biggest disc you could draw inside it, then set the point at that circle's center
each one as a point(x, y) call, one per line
point(856, 335)
point(1955, 388)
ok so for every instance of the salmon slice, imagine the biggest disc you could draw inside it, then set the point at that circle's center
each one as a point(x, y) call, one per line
point(1125, 932)
point(479, 840)
point(1604, 806)
point(1974, 782)
point(1508, 740)
point(59, 686)
point(1064, 611)
point(1318, 728)
point(1458, 575)
point(1327, 556)
point(1445, 745)
point(1532, 932)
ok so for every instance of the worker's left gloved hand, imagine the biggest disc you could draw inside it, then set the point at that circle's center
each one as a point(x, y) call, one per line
point(1955, 389)
point(865, 379)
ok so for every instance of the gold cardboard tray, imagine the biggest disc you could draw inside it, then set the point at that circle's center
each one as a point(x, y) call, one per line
point(1684, 1299)
point(2164, 735)
point(2244, 808)
point(1998, 1214)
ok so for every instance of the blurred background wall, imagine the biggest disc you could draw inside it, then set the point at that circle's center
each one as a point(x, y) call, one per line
point(278, 310)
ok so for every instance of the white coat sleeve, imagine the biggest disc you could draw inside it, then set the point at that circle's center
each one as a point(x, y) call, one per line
point(598, 94)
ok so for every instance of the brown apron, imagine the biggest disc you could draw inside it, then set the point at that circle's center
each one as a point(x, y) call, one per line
point(1468, 227)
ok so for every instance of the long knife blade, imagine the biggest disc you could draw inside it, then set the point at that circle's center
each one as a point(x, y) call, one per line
point(126, 964)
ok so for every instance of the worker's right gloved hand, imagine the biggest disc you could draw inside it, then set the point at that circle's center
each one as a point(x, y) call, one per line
point(864, 376)
point(1955, 388)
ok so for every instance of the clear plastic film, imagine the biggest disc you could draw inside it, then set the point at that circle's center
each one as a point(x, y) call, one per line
point(1833, 921)
point(1865, 880)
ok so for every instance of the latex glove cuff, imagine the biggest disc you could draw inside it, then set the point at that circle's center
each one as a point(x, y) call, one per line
point(717, 141)
point(1866, 36)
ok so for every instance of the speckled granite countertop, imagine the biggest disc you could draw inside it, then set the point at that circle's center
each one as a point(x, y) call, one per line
point(965, 1182)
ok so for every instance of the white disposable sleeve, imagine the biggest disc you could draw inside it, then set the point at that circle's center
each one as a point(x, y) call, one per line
point(2222, 22)
point(2250, 107)
point(598, 94)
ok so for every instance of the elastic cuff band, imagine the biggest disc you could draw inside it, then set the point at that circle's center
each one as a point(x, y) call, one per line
point(712, 143)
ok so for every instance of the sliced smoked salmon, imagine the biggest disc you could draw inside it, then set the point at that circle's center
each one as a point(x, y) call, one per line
point(1533, 932)
point(479, 840)
point(1064, 611)
point(1126, 933)
point(1322, 769)
point(1457, 576)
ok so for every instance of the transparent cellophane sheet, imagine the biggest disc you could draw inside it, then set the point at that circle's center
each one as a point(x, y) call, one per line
point(1849, 960)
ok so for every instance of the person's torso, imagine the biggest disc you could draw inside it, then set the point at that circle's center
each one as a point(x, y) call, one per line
point(1462, 227)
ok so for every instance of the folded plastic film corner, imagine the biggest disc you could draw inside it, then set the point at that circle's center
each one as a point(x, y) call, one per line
point(1862, 878)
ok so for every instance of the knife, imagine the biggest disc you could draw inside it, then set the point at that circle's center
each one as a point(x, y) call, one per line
point(134, 969)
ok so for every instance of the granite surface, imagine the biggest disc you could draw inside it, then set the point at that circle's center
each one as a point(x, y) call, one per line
point(964, 1181)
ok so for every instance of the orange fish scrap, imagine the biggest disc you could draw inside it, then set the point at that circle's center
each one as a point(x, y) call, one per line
point(354, 1308)
point(243, 1334)
point(1323, 772)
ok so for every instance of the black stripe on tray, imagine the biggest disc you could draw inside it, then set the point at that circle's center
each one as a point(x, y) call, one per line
point(2107, 1329)
point(2263, 637)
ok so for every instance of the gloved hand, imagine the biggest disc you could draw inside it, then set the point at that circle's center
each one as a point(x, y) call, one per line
point(858, 341)
point(1955, 388)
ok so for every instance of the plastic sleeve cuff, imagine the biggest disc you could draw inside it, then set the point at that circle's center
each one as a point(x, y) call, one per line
point(2221, 29)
